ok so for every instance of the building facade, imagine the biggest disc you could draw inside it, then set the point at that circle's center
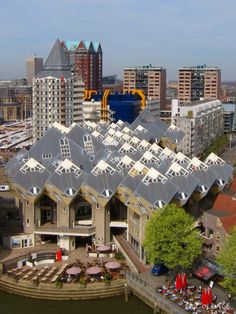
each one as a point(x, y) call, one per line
point(218, 222)
point(112, 83)
point(57, 94)
point(201, 122)
point(15, 102)
point(112, 107)
point(198, 83)
point(33, 66)
point(151, 80)
point(85, 58)
point(229, 117)
point(90, 182)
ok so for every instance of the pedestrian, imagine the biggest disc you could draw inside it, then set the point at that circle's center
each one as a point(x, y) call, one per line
point(229, 296)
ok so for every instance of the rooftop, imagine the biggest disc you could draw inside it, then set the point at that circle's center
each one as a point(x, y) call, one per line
point(145, 67)
point(103, 157)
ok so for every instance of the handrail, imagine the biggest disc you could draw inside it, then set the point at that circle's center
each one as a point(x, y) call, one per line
point(59, 230)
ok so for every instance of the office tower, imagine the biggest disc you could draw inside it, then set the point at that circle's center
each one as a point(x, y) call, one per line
point(33, 66)
point(57, 93)
point(197, 83)
point(151, 80)
point(86, 60)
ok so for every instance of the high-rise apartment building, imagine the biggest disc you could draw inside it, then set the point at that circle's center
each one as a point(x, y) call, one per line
point(198, 83)
point(33, 66)
point(85, 57)
point(57, 93)
point(151, 80)
point(202, 123)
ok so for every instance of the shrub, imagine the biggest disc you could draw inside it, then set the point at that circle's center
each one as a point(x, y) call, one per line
point(107, 279)
point(58, 283)
point(119, 256)
point(83, 282)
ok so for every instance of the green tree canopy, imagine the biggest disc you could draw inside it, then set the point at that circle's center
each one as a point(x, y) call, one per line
point(171, 239)
point(227, 258)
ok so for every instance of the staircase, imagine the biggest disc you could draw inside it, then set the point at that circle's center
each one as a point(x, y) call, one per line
point(129, 253)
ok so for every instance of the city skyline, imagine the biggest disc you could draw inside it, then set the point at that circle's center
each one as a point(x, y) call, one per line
point(161, 33)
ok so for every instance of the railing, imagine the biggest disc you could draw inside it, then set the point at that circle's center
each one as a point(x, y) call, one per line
point(82, 222)
point(83, 230)
point(143, 289)
point(12, 263)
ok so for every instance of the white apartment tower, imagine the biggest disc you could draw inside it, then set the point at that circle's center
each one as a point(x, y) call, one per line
point(57, 94)
point(202, 123)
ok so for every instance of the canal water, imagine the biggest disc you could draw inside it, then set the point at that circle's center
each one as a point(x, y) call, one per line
point(13, 304)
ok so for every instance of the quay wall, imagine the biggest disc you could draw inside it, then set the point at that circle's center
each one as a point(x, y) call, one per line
point(66, 292)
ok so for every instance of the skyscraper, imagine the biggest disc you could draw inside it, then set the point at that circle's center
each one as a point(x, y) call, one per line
point(57, 93)
point(199, 82)
point(33, 66)
point(151, 80)
point(86, 60)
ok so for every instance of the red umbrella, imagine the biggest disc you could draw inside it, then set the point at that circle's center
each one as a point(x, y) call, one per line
point(209, 292)
point(59, 255)
point(204, 297)
point(184, 280)
point(178, 282)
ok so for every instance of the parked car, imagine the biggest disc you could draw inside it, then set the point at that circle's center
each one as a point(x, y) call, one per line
point(159, 269)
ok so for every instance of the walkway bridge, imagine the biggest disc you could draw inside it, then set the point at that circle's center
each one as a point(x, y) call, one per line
point(129, 253)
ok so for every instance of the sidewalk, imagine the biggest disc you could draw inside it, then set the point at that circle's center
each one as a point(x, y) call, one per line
point(157, 281)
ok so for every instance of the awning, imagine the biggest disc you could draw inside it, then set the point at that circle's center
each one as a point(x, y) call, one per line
point(203, 272)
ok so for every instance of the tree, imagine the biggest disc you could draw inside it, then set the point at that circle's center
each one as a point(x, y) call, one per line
point(227, 258)
point(170, 238)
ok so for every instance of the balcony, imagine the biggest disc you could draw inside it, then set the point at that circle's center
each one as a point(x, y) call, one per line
point(122, 223)
point(78, 230)
point(207, 240)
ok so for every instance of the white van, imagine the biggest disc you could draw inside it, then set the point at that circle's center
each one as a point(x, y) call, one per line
point(4, 188)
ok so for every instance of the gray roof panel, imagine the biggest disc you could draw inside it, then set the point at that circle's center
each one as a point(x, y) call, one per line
point(157, 191)
point(65, 181)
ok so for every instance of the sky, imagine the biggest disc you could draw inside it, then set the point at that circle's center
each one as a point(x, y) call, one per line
point(167, 33)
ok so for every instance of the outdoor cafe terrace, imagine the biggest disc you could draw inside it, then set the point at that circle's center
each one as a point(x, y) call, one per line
point(98, 265)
